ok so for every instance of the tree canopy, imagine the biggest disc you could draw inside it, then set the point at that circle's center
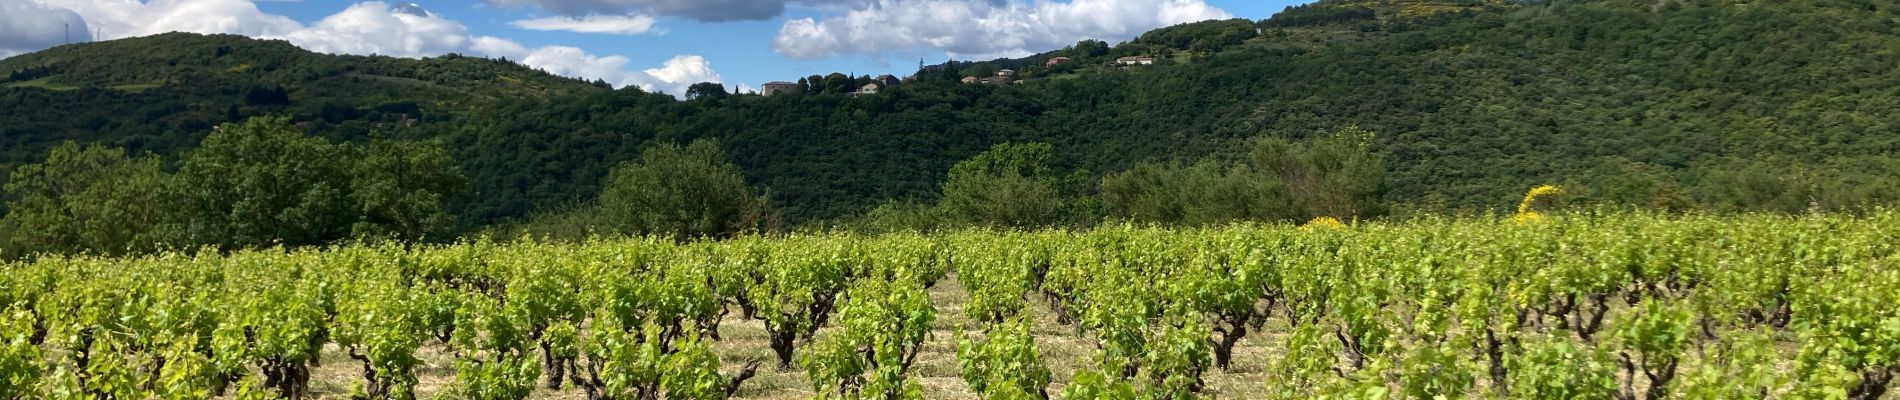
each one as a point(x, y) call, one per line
point(1677, 105)
point(1009, 185)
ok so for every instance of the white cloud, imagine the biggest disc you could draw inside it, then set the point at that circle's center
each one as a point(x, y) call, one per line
point(683, 71)
point(673, 76)
point(27, 26)
point(370, 27)
point(966, 28)
point(127, 18)
point(624, 25)
point(495, 46)
point(375, 28)
point(698, 10)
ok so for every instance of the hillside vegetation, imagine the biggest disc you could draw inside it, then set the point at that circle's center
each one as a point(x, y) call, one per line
point(1722, 105)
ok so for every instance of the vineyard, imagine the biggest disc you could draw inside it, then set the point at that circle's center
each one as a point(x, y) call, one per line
point(1578, 306)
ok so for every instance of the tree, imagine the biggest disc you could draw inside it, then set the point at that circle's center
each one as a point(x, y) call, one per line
point(261, 182)
point(1089, 48)
point(1206, 193)
point(1204, 36)
point(1335, 176)
point(838, 83)
point(683, 193)
point(706, 90)
point(401, 190)
point(981, 70)
point(86, 199)
point(1008, 185)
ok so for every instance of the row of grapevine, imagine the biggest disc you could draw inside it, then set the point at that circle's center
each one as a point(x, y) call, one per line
point(1621, 306)
point(1582, 306)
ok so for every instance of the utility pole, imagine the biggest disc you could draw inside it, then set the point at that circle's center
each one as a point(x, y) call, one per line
point(67, 28)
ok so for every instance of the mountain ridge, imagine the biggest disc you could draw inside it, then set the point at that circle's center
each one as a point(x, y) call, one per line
point(1631, 102)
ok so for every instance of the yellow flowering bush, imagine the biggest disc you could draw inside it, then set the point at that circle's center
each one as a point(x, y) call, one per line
point(1524, 212)
point(1322, 222)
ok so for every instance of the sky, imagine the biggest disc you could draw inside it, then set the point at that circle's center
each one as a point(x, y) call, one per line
point(657, 45)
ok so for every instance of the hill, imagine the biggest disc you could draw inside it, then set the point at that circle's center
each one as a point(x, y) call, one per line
point(162, 93)
point(1728, 105)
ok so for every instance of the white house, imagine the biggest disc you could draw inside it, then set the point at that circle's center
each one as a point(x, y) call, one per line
point(1135, 59)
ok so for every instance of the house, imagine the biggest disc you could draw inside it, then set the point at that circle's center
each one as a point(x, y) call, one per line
point(1057, 61)
point(778, 87)
point(1135, 60)
point(1002, 77)
point(886, 80)
point(868, 88)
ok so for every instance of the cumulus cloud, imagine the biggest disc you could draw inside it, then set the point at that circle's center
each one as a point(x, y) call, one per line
point(673, 76)
point(371, 27)
point(699, 10)
point(126, 18)
point(377, 28)
point(27, 26)
point(980, 29)
point(683, 70)
point(624, 25)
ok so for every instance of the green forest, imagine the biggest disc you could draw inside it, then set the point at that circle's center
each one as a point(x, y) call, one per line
point(1359, 109)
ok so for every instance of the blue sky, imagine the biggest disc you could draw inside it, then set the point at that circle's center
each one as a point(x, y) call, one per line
point(656, 44)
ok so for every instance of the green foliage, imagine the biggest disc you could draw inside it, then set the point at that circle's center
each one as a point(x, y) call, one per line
point(1176, 358)
point(1004, 364)
point(258, 183)
point(683, 193)
point(1335, 176)
point(93, 198)
point(402, 191)
point(1654, 340)
point(998, 280)
point(1429, 308)
point(1557, 369)
point(680, 193)
point(20, 359)
point(1088, 48)
point(897, 216)
point(1205, 193)
point(1319, 13)
point(797, 292)
point(380, 330)
point(1740, 366)
point(1225, 283)
point(1474, 100)
point(707, 91)
point(881, 327)
point(1169, 368)
point(981, 70)
point(492, 345)
point(511, 378)
point(650, 366)
point(1010, 186)
point(1850, 347)
point(280, 332)
point(1201, 37)
point(263, 182)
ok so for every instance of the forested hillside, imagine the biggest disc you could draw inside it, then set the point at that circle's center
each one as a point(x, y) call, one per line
point(1779, 105)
